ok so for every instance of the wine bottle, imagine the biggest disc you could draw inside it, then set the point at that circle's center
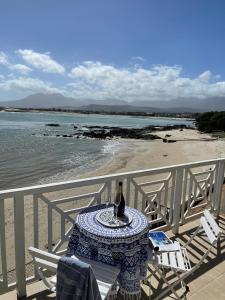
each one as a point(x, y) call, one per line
point(120, 199)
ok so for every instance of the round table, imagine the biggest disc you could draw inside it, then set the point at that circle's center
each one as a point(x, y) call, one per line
point(126, 246)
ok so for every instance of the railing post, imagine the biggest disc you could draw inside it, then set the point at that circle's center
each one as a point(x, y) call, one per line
point(222, 205)
point(177, 199)
point(3, 249)
point(19, 244)
point(218, 186)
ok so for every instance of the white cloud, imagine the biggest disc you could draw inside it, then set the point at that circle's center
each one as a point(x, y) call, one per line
point(20, 68)
point(140, 58)
point(95, 80)
point(4, 60)
point(205, 76)
point(41, 61)
point(28, 84)
point(99, 81)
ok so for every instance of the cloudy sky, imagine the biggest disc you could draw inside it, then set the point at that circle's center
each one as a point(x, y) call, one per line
point(114, 49)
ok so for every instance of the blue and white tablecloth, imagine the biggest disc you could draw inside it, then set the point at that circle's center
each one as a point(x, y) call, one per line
point(126, 246)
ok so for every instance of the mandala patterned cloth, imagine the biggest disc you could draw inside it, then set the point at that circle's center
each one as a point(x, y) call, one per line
point(125, 246)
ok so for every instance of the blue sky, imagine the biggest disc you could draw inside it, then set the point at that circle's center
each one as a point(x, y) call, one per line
point(122, 49)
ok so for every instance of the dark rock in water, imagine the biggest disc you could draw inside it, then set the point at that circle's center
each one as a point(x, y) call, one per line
point(98, 134)
point(171, 141)
point(133, 133)
point(79, 132)
point(52, 124)
point(108, 132)
point(66, 135)
point(169, 127)
point(151, 137)
point(95, 126)
point(129, 133)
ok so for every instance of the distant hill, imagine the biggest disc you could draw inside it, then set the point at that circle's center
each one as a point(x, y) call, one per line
point(54, 100)
point(181, 105)
point(197, 105)
point(42, 101)
point(131, 108)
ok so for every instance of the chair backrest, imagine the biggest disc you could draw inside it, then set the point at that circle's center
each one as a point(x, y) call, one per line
point(45, 261)
point(76, 280)
point(106, 275)
point(210, 227)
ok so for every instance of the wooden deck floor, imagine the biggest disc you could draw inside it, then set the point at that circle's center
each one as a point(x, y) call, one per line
point(208, 283)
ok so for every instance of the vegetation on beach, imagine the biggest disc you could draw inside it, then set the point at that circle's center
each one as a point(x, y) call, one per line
point(211, 121)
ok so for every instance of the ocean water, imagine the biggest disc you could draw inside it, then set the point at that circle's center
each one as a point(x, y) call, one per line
point(30, 152)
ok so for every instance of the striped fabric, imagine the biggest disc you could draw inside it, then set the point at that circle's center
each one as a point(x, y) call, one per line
point(75, 280)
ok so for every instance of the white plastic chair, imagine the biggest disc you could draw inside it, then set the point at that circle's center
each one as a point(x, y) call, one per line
point(178, 261)
point(105, 275)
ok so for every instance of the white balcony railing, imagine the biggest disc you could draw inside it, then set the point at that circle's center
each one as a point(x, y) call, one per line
point(43, 216)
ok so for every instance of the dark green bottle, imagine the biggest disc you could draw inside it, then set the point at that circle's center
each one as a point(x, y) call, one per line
point(119, 199)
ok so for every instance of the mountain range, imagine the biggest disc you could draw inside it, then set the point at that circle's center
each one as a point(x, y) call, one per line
point(182, 105)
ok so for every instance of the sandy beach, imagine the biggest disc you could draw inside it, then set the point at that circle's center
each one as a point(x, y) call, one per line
point(190, 146)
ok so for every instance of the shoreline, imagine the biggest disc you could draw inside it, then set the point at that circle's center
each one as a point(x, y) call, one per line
point(135, 154)
point(190, 146)
point(79, 150)
point(130, 155)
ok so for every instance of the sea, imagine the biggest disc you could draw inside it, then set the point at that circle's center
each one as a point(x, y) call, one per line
point(32, 154)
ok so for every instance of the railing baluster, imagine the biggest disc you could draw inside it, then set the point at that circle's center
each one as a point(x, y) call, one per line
point(3, 243)
point(194, 193)
point(100, 192)
point(177, 200)
point(190, 195)
point(218, 186)
point(135, 196)
point(128, 192)
point(143, 203)
point(49, 228)
point(166, 197)
point(62, 227)
point(184, 199)
point(19, 230)
point(210, 196)
point(109, 191)
point(36, 223)
point(173, 175)
point(216, 173)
